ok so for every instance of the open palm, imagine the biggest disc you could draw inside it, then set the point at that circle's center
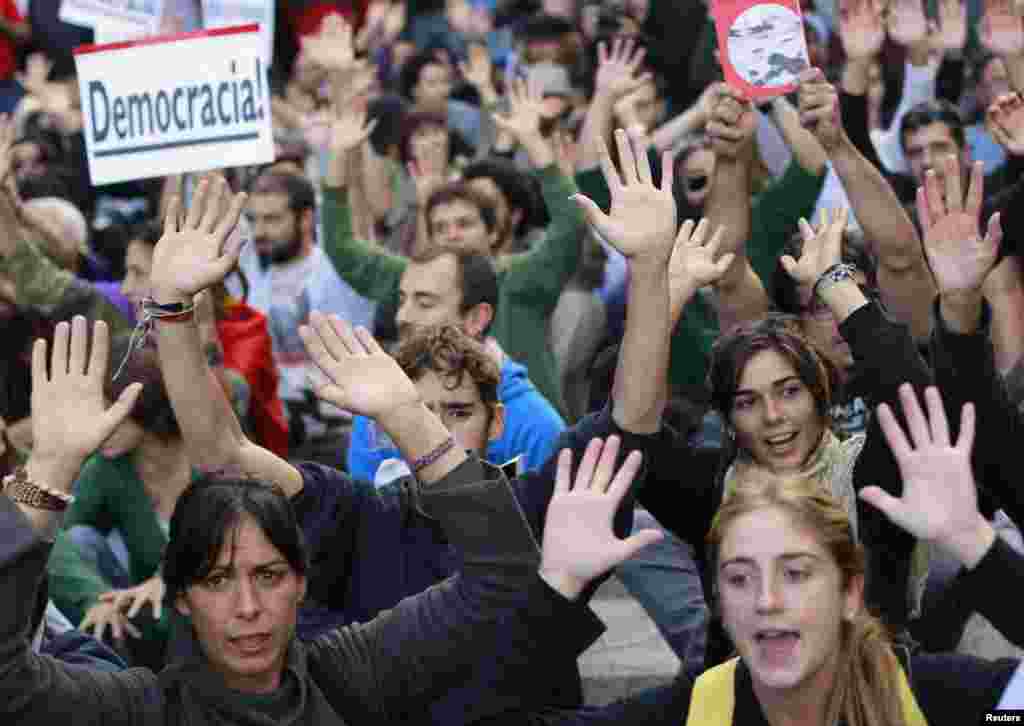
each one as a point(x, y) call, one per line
point(959, 257)
point(1002, 31)
point(579, 542)
point(192, 254)
point(939, 497)
point(332, 48)
point(70, 414)
point(361, 377)
point(861, 29)
point(642, 219)
point(695, 264)
point(821, 250)
point(908, 25)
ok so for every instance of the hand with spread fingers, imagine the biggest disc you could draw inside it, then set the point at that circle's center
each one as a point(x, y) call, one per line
point(732, 125)
point(579, 543)
point(361, 377)
point(193, 253)
point(332, 48)
point(861, 29)
point(642, 220)
point(349, 130)
point(696, 261)
point(960, 259)
point(618, 68)
point(818, 103)
point(1004, 120)
point(526, 102)
point(939, 501)
point(906, 22)
point(1002, 29)
point(105, 615)
point(71, 416)
point(950, 33)
point(822, 247)
point(131, 600)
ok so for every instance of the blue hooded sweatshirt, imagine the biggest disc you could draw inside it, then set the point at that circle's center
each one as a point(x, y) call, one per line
point(532, 426)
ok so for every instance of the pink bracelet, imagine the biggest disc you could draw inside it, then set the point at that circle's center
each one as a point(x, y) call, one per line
point(428, 459)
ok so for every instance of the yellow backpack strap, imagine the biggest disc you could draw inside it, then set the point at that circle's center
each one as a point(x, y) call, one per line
point(714, 696)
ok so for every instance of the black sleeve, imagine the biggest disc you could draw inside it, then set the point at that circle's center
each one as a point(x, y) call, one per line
point(965, 371)
point(999, 572)
point(886, 358)
point(958, 689)
point(949, 81)
point(1009, 202)
point(854, 110)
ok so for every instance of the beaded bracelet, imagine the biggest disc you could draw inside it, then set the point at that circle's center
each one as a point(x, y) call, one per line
point(428, 459)
point(151, 311)
point(21, 489)
point(836, 273)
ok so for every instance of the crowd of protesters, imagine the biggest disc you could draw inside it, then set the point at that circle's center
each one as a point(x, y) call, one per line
point(529, 297)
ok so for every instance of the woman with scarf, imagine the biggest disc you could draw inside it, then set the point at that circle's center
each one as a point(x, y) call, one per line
point(776, 392)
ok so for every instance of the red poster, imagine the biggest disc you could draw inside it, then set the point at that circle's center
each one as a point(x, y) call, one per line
point(761, 45)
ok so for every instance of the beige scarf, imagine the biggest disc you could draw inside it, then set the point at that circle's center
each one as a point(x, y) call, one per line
point(833, 462)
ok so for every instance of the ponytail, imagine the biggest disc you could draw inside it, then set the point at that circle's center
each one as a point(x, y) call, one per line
point(866, 691)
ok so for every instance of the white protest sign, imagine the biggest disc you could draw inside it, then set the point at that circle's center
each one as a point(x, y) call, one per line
point(226, 13)
point(171, 105)
point(114, 19)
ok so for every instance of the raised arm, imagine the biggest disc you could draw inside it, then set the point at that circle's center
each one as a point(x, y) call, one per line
point(192, 255)
point(1002, 33)
point(903, 276)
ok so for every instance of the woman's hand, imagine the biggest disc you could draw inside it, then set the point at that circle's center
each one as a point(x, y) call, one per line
point(131, 600)
point(106, 614)
point(579, 543)
point(822, 248)
point(192, 254)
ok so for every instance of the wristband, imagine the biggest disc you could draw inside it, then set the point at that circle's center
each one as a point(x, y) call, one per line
point(23, 490)
point(428, 459)
point(836, 273)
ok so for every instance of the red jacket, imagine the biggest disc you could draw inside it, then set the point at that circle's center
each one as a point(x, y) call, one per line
point(247, 349)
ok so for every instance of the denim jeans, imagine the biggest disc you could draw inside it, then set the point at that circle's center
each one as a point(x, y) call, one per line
point(107, 553)
point(663, 578)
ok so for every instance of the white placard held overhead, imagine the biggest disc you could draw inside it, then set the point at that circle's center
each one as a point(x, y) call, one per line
point(226, 13)
point(176, 104)
point(113, 20)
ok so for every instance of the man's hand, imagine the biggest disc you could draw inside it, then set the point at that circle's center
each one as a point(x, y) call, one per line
point(959, 258)
point(950, 36)
point(907, 24)
point(694, 264)
point(1002, 31)
point(1004, 120)
point(732, 125)
point(579, 543)
point(939, 501)
point(617, 70)
point(819, 108)
point(192, 254)
point(332, 48)
point(361, 377)
point(526, 105)
point(642, 221)
point(349, 130)
point(861, 29)
point(70, 414)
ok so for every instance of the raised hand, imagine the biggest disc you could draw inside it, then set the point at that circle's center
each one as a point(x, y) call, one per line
point(1002, 32)
point(642, 220)
point(384, 22)
point(361, 377)
point(951, 33)
point(697, 261)
point(70, 414)
point(131, 600)
point(939, 501)
point(960, 259)
point(192, 254)
point(818, 103)
point(579, 543)
point(861, 29)
point(906, 22)
point(349, 130)
point(821, 250)
point(617, 69)
point(428, 168)
point(1004, 120)
point(526, 104)
point(478, 69)
point(332, 48)
point(733, 123)
point(106, 614)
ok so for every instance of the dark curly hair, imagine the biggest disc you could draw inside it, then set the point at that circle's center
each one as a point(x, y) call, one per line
point(447, 351)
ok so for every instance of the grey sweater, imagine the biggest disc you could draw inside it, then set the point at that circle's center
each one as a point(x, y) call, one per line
point(377, 672)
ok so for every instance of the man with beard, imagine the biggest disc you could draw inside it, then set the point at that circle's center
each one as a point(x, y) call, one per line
point(288, 277)
point(460, 290)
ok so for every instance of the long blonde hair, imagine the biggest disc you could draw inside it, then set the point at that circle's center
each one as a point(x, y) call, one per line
point(866, 689)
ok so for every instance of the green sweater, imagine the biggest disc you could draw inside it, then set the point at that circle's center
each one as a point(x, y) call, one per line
point(109, 496)
point(529, 284)
point(774, 215)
